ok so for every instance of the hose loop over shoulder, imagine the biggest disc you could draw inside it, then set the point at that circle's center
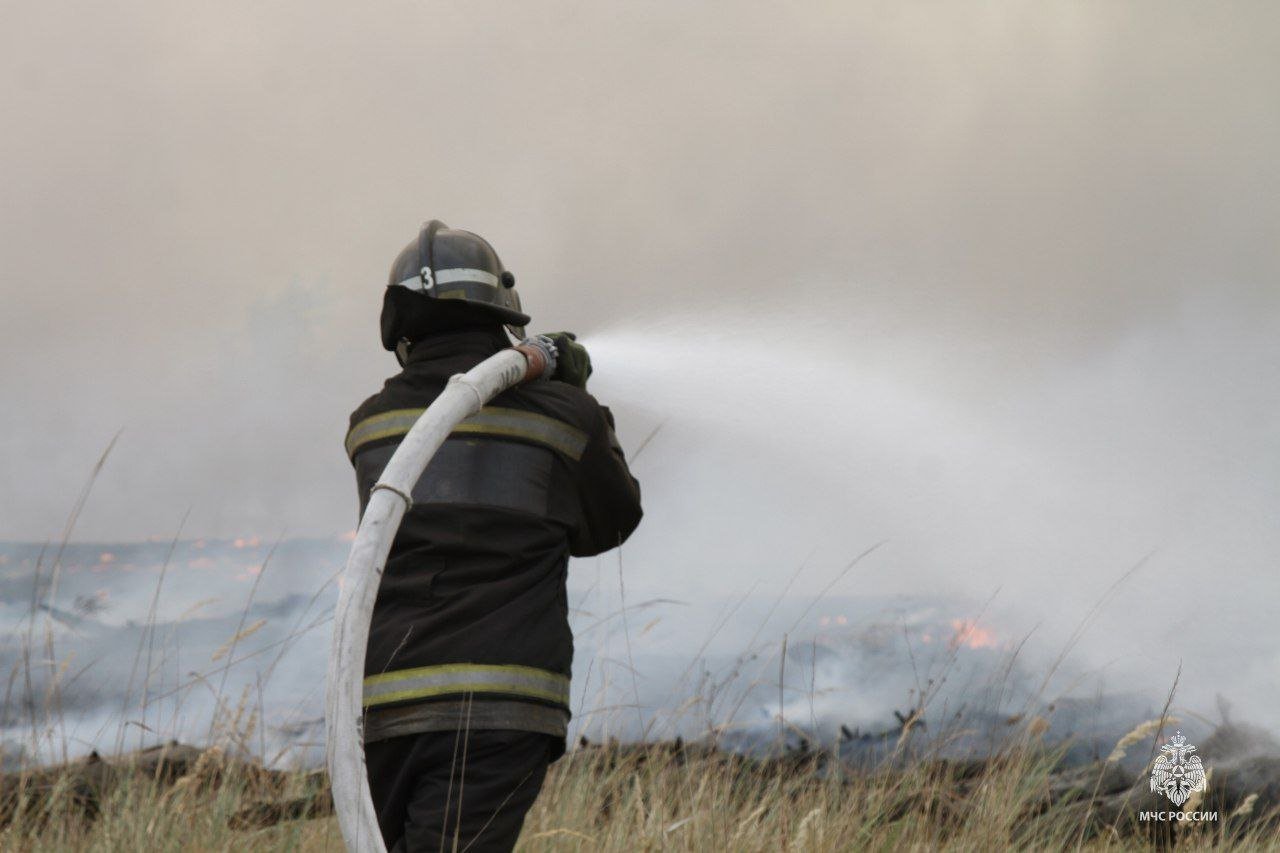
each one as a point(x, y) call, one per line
point(344, 737)
point(461, 379)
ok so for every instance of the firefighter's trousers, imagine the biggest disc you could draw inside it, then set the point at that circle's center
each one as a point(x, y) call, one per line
point(455, 791)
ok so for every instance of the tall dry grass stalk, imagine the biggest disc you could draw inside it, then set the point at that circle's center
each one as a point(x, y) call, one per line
point(1139, 733)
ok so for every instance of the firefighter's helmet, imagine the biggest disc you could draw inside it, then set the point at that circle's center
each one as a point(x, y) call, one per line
point(448, 277)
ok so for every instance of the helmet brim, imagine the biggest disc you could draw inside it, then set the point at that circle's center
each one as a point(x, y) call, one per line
point(506, 315)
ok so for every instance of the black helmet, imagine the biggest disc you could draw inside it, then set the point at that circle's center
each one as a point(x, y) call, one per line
point(444, 278)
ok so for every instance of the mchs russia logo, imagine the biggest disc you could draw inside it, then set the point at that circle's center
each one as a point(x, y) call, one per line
point(1177, 773)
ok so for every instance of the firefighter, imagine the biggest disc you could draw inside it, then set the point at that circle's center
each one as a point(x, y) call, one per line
point(466, 693)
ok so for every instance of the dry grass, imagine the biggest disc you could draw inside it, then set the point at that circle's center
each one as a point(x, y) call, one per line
point(647, 798)
point(658, 800)
point(142, 812)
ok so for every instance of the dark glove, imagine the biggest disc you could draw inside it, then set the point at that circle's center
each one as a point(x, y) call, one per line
point(573, 365)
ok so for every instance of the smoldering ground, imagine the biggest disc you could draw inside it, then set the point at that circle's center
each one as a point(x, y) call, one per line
point(122, 644)
point(211, 639)
point(996, 285)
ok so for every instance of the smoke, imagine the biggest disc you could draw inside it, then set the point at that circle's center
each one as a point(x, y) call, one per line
point(995, 285)
point(1038, 497)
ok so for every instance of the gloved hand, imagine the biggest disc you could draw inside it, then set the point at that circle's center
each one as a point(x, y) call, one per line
point(573, 365)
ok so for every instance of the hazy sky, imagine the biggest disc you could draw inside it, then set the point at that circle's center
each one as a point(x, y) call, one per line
point(996, 282)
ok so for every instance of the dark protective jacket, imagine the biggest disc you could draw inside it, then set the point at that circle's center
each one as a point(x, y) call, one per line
point(470, 628)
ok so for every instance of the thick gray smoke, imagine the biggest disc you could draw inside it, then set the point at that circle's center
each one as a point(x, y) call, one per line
point(997, 285)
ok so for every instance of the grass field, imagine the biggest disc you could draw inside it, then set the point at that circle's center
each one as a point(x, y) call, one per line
point(657, 797)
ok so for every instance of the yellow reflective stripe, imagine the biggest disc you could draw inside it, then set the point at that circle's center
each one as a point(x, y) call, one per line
point(491, 420)
point(385, 425)
point(427, 681)
point(515, 423)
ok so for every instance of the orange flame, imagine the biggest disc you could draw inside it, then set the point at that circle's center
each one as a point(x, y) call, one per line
point(971, 635)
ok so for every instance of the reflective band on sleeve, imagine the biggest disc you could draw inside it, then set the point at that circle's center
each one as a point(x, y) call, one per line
point(491, 420)
point(458, 678)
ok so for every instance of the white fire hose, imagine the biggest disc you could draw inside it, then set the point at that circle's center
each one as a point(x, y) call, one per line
point(389, 499)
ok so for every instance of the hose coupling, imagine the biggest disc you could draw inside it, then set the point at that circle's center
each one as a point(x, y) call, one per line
point(540, 351)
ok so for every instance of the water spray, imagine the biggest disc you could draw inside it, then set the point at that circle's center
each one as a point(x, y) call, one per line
point(389, 499)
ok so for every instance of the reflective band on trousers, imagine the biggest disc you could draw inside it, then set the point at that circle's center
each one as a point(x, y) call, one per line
point(491, 420)
point(425, 682)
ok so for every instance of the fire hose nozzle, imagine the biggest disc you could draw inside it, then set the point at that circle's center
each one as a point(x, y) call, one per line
point(540, 352)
